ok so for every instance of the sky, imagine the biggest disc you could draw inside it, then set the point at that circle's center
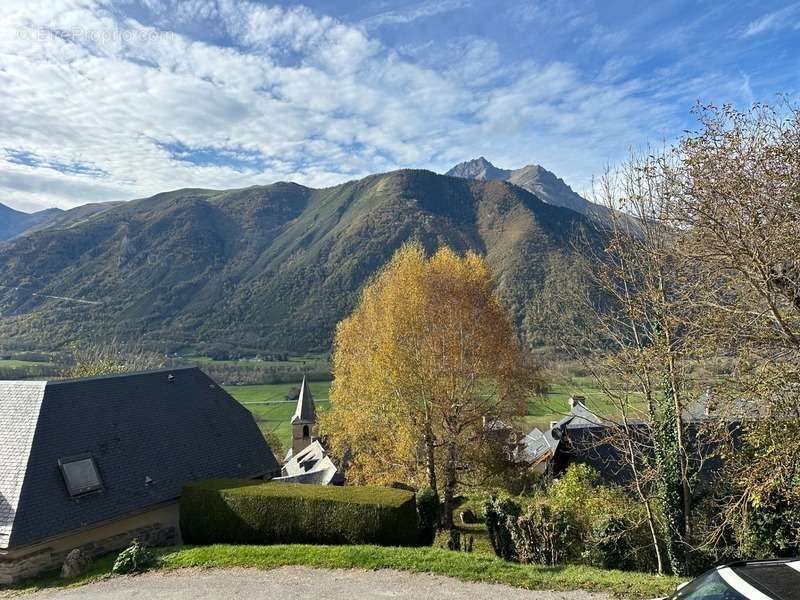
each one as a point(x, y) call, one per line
point(112, 100)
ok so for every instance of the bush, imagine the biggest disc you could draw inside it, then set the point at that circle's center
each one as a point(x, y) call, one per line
point(500, 515)
point(611, 544)
point(427, 516)
point(770, 528)
point(399, 485)
point(253, 512)
point(134, 559)
point(546, 534)
point(575, 520)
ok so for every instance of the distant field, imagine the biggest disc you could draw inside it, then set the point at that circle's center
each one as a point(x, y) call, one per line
point(307, 361)
point(541, 411)
point(275, 417)
point(16, 364)
point(554, 406)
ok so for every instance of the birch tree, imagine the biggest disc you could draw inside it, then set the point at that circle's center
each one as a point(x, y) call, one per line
point(428, 355)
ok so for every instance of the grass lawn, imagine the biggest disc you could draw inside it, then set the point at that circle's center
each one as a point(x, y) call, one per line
point(275, 417)
point(467, 567)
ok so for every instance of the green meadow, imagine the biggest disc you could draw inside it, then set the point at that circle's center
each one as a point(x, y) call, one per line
point(275, 417)
point(541, 410)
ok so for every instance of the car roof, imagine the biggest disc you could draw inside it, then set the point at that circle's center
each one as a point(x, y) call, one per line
point(779, 579)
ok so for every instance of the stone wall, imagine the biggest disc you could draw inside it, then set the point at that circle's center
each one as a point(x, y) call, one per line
point(17, 566)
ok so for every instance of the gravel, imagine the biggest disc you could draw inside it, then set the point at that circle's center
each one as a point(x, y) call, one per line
point(289, 583)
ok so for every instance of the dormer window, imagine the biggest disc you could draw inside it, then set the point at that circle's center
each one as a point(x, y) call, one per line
point(80, 474)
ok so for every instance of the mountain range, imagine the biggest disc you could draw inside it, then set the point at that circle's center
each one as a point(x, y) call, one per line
point(271, 267)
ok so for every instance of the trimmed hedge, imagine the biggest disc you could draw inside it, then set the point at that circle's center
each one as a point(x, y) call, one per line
point(255, 512)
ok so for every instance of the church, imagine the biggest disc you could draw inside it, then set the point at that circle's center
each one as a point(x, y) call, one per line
point(307, 461)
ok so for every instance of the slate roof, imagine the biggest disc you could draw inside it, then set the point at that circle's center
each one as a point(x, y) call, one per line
point(304, 412)
point(709, 408)
point(172, 426)
point(580, 416)
point(19, 412)
point(535, 444)
point(311, 465)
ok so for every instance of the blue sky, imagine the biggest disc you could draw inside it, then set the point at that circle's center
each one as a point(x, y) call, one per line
point(106, 100)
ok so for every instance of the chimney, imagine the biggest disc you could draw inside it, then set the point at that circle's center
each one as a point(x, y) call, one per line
point(576, 400)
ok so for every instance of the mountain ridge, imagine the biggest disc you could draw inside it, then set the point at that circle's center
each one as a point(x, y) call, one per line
point(271, 267)
point(15, 222)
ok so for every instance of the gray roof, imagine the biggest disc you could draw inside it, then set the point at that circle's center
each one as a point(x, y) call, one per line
point(708, 407)
point(19, 411)
point(580, 416)
point(171, 426)
point(311, 465)
point(536, 444)
point(304, 412)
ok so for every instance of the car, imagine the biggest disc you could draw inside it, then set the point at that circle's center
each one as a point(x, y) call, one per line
point(745, 580)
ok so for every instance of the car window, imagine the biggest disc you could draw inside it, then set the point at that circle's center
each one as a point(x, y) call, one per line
point(708, 587)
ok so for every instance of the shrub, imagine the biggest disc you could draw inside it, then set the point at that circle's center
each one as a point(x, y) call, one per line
point(500, 515)
point(611, 544)
point(427, 516)
point(770, 528)
point(575, 520)
point(134, 559)
point(399, 485)
point(252, 512)
point(546, 534)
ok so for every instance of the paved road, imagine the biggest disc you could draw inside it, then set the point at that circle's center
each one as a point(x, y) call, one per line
point(295, 583)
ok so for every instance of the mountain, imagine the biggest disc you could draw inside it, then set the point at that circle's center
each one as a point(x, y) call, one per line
point(73, 216)
point(536, 179)
point(270, 267)
point(14, 222)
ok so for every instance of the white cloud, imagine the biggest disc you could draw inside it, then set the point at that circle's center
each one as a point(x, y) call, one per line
point(785, 18)
point(293, 96)
point(413, 13)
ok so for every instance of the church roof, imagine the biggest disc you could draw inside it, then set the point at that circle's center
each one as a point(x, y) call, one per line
point(304, 412)
point(311, 465)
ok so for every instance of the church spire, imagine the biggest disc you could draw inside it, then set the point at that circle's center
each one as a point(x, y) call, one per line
point(305, 411)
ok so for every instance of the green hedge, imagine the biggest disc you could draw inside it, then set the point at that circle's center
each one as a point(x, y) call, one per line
point(253, 512)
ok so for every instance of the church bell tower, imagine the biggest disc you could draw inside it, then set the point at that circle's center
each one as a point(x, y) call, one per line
point(303, 420)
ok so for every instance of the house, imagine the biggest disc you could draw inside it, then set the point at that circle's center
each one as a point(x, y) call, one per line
point(307, 461)
point(582, 436)
point(92, 463)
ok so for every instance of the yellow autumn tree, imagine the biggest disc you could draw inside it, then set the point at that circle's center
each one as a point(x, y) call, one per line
point(427, 357)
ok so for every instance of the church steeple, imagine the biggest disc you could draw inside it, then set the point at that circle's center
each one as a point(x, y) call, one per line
point(304, 419)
